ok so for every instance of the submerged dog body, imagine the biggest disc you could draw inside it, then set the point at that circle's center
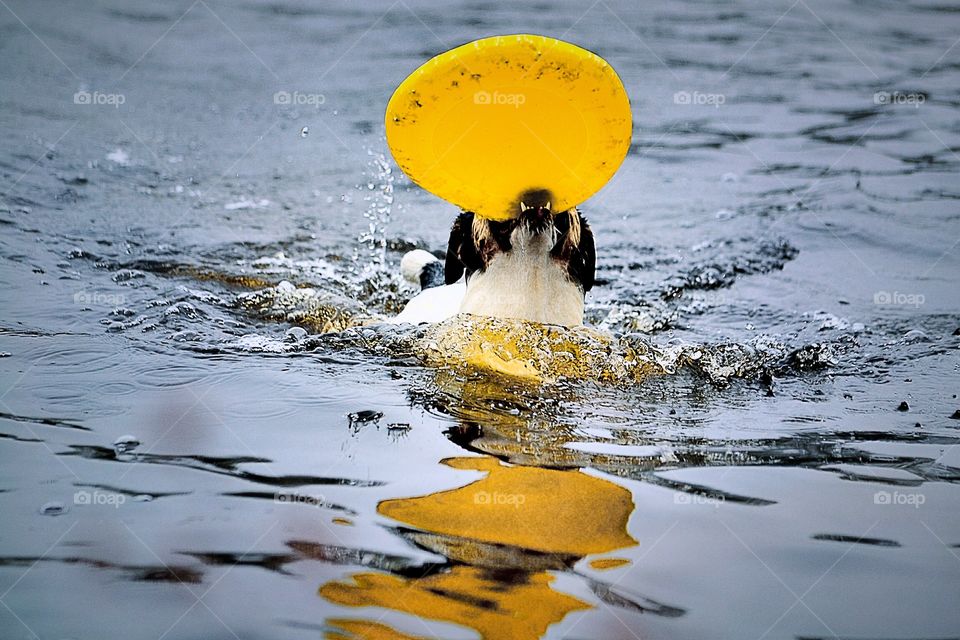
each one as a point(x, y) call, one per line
point(536, 267)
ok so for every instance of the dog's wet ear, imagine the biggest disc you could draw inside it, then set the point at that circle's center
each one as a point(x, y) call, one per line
point(575, 248)
point(461, 250)
point(587, 256)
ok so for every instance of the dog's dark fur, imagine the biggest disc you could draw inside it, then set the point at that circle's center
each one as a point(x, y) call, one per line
point(475, 242)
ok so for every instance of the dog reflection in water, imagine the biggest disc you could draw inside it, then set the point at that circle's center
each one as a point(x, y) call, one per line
point(502, 535)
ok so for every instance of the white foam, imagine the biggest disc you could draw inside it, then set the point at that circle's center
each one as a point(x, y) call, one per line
point(119, 156)
point(435, 304)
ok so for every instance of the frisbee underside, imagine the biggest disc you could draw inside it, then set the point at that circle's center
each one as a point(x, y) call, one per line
point(486, 123)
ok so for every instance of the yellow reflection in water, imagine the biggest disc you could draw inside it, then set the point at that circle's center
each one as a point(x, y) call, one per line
point(603, 564)
point(507, 529)
point(347, 629)
point(542, 509)
point(465, 596)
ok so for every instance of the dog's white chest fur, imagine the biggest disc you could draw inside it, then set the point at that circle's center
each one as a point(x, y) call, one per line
point(526, 283)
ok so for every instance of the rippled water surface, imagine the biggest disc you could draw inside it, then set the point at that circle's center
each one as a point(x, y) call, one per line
point(204, 432)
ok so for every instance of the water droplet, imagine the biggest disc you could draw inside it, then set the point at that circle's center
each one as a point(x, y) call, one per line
point(304, 132)
point(364, 416)
point(126, 443)
point(295, 334)
point(53, 508)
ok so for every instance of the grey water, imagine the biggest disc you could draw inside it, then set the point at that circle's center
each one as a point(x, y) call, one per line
point(188, 188)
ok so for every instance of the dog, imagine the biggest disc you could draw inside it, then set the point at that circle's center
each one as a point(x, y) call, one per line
point(536, 266)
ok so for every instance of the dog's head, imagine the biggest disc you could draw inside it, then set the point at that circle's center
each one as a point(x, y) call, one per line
point(565, 236)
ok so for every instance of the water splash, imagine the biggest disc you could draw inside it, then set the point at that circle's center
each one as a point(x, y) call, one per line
point(550, 354)
point(536, 352)
point(317, 310)
point(379, 207)
point(376, 283)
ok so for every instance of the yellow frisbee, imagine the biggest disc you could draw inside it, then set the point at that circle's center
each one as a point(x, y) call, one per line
point(488, 122)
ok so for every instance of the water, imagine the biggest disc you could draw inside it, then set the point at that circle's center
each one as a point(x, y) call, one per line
point(185, 454)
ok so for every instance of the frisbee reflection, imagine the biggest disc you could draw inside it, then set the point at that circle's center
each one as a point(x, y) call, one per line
point(505, 535)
